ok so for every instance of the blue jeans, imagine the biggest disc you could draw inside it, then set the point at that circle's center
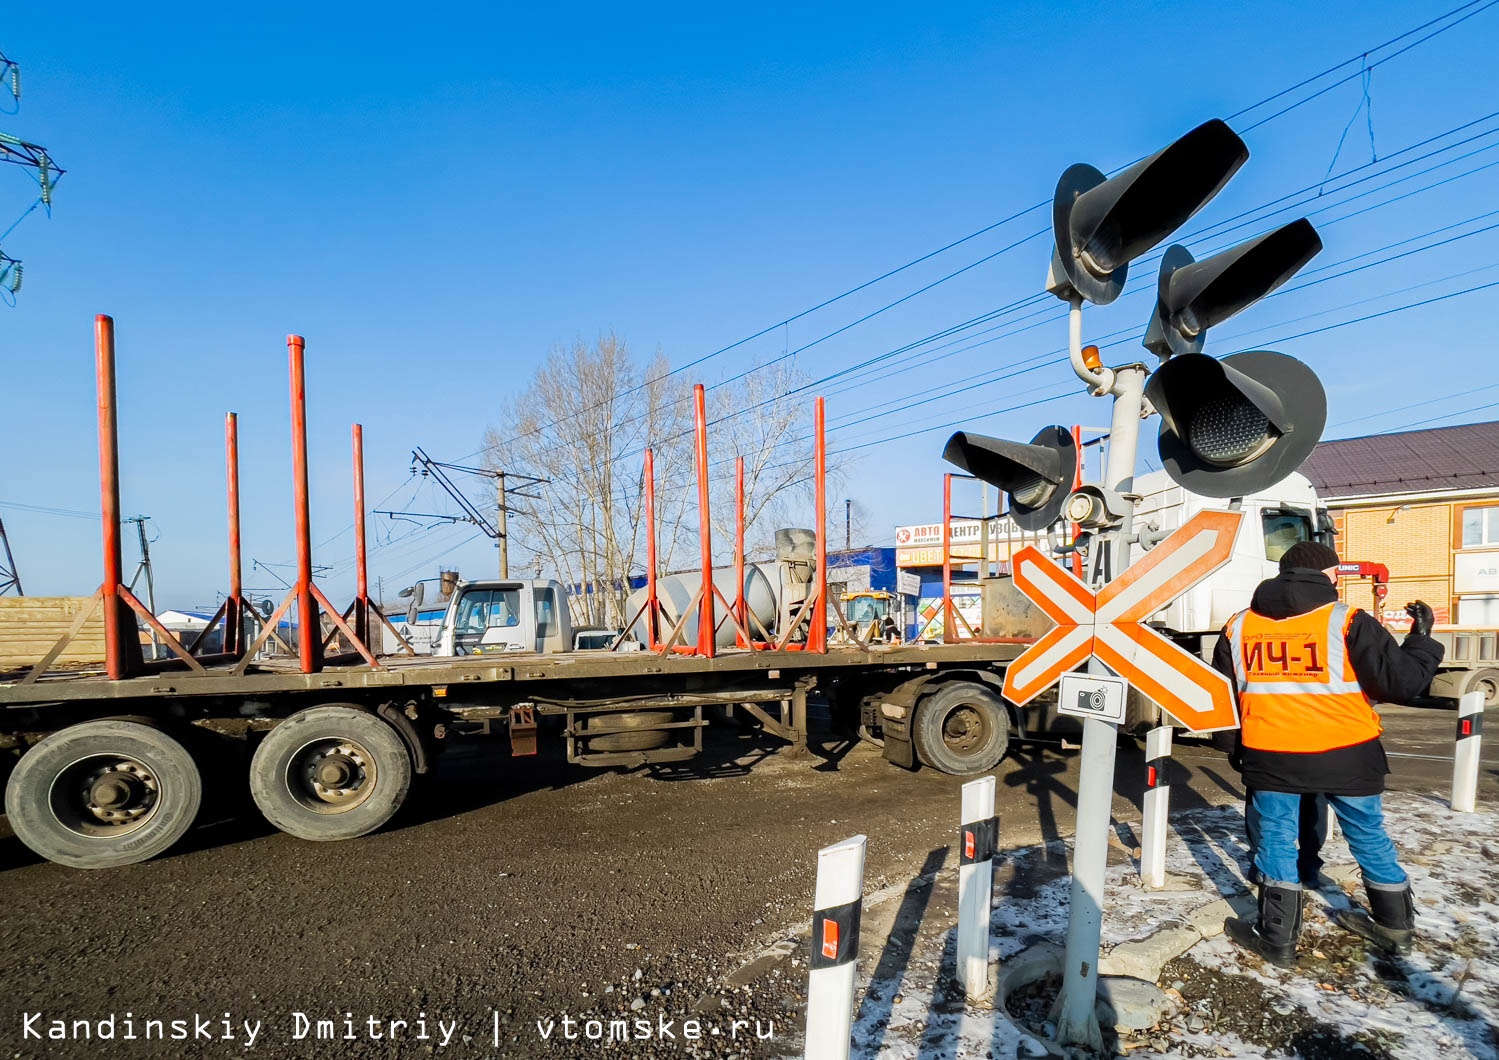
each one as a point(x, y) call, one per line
point(1361, 818)
point(1312, 834)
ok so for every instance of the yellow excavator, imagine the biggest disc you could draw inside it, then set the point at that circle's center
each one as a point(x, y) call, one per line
point(871, 615)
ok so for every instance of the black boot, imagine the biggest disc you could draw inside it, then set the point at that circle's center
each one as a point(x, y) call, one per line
point(1274, 935)
point(1391, 921)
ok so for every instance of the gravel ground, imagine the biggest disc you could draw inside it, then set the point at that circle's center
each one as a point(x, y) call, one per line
point(509, 892)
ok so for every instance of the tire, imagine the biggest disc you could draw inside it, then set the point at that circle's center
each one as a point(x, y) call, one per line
point(1486, 681)
point(647, 739)
point(103, 794)
point(962, 728)
point(331, 772)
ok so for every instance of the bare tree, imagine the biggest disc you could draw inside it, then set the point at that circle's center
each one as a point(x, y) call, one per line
point(584, 423)
point(766, 418)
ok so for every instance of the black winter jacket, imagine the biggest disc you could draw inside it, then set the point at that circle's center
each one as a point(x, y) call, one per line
point(1388, 671)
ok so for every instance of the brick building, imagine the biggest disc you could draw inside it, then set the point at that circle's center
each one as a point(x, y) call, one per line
point(1426, 505)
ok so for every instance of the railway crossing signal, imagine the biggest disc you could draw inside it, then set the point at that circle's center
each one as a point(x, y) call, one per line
point(1036, 476)
point(1109, 624)
point(1234, 426)
point(1102, 223)
point(1193, 296)
point(1228, 427)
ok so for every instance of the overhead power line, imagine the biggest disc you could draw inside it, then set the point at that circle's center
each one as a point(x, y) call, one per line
point(1444, 22)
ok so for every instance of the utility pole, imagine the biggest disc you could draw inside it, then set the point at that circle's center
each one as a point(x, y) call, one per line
point(504, 541)
point(498, 530)
point(144, 567)
point(10, 578)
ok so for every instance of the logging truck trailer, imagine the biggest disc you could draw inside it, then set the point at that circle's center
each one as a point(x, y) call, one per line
point(109, 772)
point(109, 767)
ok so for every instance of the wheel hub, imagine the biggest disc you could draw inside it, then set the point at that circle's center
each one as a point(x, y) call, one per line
point(116, 792)
point(963, 729)
point(334, 775)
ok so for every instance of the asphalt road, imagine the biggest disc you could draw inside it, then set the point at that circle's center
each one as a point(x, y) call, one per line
point(518, 891)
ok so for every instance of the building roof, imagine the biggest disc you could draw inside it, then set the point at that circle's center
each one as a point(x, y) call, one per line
point(1464, 457)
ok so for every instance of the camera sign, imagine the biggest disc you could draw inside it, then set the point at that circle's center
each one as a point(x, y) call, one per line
point(1093, 696)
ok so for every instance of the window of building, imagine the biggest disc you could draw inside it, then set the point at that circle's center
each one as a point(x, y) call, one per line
point(1478, 610)
point(1480, 527)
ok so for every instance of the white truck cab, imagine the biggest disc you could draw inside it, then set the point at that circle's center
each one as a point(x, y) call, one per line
point(490, 617)
point(1274, 520)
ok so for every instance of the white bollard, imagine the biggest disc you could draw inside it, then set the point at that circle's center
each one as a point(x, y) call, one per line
point(1465, 759)
point(1157, 803)
point(979, 837)
point(835, 948)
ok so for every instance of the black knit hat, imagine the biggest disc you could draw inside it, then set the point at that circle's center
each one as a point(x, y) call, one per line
point(1308, 555)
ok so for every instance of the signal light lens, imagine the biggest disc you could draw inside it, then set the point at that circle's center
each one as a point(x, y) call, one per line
point(1092, 358)
point(1228, 431)
point(1031, 491)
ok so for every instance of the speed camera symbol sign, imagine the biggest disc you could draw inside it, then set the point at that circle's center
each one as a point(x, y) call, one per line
point(1093, 696)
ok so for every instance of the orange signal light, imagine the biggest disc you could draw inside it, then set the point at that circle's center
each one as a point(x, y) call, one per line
point(1092, 359)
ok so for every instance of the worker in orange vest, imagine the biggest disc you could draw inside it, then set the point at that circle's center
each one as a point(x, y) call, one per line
point(1306, 668)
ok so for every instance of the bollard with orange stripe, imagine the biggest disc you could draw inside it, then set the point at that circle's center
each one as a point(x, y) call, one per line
point(1156, 804)
point(1465, 755)
point(835, 948)
point(979, 839)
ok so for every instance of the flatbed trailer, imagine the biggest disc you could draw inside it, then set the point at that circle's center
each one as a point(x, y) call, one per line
point(330, 755)
point(109, 767)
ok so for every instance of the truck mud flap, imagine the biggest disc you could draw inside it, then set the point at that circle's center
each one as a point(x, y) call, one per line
point(895, 710)
point(522, 730)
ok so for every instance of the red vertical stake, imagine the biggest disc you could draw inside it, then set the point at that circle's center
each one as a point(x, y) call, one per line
point(949, 631)
point(361, 573)
point(309, 627)
point(116, 628)
point(706, 631)
point(817, 634)
point(741, 606)
point(234, 618)
point(653, 606)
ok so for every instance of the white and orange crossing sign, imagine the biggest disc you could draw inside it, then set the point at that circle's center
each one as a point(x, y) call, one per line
point(1109, 624)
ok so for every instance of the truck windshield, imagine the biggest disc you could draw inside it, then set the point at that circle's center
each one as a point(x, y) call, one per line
point(1283, 528)
point(865, 609)
point(482, 609)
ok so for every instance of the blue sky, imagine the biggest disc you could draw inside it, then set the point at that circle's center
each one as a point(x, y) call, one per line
point(436, 199)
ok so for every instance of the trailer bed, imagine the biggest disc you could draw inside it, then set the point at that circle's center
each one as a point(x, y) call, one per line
point(427, 673)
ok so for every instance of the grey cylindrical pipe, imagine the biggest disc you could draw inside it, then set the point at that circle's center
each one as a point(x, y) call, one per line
point(675, 593)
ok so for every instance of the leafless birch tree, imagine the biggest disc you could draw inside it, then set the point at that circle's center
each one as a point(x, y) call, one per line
point(584, 422)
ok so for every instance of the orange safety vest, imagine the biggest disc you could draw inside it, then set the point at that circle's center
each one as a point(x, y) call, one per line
point(1297, 690)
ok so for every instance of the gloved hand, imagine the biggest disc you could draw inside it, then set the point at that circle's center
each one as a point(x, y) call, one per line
point(1422, 618)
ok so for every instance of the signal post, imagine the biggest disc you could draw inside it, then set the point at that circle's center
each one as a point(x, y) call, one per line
point(1228, 428)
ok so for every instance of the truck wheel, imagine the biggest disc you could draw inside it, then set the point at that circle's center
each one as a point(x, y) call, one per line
point(647, 739)
point(1485, 681)
point(332, 772)
point(103, 793)
point(963, 728)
